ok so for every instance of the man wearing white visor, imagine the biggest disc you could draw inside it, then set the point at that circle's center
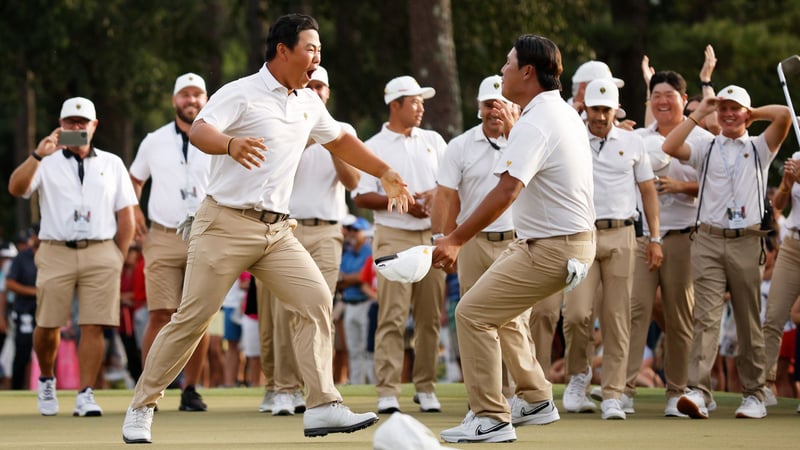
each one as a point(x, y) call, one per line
point(619, 163)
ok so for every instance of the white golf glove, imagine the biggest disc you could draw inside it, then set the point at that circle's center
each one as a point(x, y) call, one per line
point(576, 272)
point(185, 227)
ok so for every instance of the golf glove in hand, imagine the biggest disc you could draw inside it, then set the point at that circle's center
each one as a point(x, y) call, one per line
point(576, 272)
point(185, 228)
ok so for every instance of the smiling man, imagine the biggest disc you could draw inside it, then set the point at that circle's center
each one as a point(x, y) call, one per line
point(733, 169)
point(256, 129)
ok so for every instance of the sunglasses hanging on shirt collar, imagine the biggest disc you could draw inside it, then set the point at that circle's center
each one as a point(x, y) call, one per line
point(491, 142)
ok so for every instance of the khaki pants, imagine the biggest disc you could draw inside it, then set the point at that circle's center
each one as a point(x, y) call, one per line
point(783, 291)
point(674, 277)
point(223, 244)
point(276, 330)
point(394, 299)
point(613, 269)
point(543, 324)
point(720, 264)
point(165, 267)
point(525, 274)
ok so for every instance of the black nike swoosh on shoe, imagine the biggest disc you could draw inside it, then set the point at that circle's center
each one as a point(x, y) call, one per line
point(536, 410)
point(480, 431)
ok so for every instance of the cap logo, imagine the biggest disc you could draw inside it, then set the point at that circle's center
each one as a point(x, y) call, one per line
point(730, 91)
point(496, 85)
point(77, 106)
point(621, 153)
point(305, 116)
point(602, 90)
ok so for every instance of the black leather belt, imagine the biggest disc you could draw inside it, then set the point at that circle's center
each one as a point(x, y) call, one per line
point(497, 236)
point(729, 233)
point(315, 222)
point(681, 231)
point(78, 244)
point(604, 224)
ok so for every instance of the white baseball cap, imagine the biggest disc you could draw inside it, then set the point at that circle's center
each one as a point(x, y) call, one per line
point(602, 92)
point(593, 70)
point(189, 79)
point(735, 93)
point(405, 86)
point(321, 75)
point(491, 89)
point(659, 160)
point(78, 107)
point(403, 432)
point(408, 266)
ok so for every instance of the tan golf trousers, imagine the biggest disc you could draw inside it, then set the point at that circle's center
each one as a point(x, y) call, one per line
point(224, 242)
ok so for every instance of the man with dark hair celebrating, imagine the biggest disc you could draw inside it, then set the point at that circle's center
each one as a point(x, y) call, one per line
point(243, 223)
point(546, 167)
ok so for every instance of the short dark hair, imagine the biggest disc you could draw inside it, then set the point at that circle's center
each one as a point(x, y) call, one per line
point(286, 30)
point(544, 56)
point(670, 77)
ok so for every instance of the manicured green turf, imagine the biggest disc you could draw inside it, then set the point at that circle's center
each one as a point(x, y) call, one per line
point(233, 422)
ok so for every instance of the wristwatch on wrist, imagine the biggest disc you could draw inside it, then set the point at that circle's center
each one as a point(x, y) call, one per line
point(436, 236)
point(656, 240)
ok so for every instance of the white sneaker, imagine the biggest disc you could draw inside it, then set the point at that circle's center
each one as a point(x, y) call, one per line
point(751, 408)
point(85, 406)
point(574, 399)
point(611, 409)
point(283, 404)
point(671, 410)
point(266, 403)
point(47, 400)
point(480, 429)
point(539, 413)
point(769, 397)
point(388, 405)
point(596, 393)
point(136, 427)
point(627, 404)
point(693, 404)
point(335, 418)
point(299, 402)
point(427, 402)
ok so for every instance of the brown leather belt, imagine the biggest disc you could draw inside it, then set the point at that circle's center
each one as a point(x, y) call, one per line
point(604, 224)
point(315, 222)
point(729, 233)
point(159, 227)
point(497, 236)
point(79, 244)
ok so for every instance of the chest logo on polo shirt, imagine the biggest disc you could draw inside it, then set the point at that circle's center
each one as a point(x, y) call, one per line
point(508, 163)
point(621, 153)
point(305, 116)
point(747, 155)
point(429, 150)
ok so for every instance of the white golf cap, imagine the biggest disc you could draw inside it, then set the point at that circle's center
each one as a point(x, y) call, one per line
point(593, 70)
point(735, 93)
point(602, 92)
point(408, 266)
point(491, 89)
point(78, 107)
point(321, 75)
point(405, 86)
point(403, 432)
point(189, 79)
point(659, 160)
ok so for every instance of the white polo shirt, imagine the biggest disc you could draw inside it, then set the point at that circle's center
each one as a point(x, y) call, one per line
point(178, 185)
point(317, 192)
point(548, 151)
point(732, 177)
point(416, 159)
point(259, 106)
point(466, 167)
point(74, 211)
point(620, 163)
point(676, 211)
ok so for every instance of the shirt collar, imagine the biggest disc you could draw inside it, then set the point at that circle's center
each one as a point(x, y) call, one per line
point(741, 140)
point(271, 82)
point(396, 135)
point(613, 133)
point(541, 98)
point(68, 154)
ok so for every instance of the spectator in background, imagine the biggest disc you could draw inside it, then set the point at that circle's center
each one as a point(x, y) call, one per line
point(129, 306)
point(357, 250)
point(21, 280)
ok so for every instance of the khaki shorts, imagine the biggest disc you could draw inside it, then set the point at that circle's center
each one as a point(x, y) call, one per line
point(93, 273)
point(164, 268)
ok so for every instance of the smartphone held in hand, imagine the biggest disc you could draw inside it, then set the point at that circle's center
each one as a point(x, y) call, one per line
point(73, 138)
